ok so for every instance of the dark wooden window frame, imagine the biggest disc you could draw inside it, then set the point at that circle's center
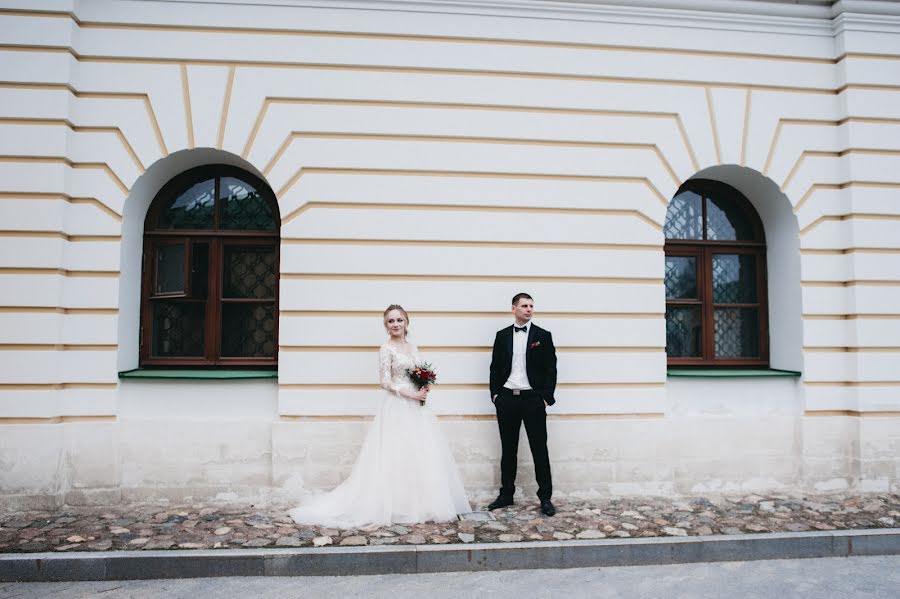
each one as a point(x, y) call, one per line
point(704, 249)
point(218, 240)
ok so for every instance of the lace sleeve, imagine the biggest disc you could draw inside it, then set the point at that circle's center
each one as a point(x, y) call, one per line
point(384, 369)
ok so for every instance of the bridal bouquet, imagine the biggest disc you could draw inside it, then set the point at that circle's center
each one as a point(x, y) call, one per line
point(422, 375)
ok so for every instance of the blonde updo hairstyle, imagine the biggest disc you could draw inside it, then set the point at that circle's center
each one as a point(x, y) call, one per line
point(399, 308)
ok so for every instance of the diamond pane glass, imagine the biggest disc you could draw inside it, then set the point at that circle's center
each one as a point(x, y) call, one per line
point(243, 208)
point(684, 218)
point(177, 329)
point(736, 333)
point(725, 221)
point(193, 209)
point(170, 268)
point(682, 332)
point(681, 277)
point(250, 272)
point(248, 330)
point(734, 278)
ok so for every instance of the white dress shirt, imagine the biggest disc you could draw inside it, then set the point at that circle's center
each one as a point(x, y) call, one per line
point(518, 376)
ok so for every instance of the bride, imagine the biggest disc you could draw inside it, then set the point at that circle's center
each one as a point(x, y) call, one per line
point(405, 472)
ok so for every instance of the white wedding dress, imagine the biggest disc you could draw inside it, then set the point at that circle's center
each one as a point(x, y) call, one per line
point(404, 473)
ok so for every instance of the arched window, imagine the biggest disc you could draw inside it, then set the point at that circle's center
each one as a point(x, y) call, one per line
point(716, 311)
point(210, 272)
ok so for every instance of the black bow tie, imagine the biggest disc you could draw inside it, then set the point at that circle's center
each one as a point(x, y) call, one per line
point(520, 329)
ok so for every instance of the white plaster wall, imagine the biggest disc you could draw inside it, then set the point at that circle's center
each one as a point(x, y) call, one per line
point(195, 438)
point(735, 434)
point(424, 155)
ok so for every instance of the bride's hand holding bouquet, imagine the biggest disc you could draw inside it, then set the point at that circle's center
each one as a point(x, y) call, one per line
point(422, 376)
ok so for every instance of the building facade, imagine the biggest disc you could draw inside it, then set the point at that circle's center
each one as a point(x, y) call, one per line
point(205, 208)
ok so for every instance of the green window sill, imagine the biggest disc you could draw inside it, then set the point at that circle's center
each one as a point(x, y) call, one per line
point(728, 373)
point(197, 374)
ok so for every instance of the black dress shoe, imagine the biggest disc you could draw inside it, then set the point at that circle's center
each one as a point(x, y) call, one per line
point(501, 501)
point(547, 508)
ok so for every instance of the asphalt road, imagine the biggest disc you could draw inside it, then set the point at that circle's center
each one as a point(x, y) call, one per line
point(831, 578)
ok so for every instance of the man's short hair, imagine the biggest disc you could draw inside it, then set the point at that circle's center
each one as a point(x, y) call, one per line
point(519, 296)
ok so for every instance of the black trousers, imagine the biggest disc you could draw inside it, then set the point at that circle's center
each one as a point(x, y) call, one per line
point(512, 411)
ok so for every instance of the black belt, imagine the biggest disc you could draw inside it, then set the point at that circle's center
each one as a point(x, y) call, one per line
point(519, 391)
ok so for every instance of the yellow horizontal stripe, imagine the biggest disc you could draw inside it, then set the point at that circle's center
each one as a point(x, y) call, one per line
point(464, 386)
point(269, 100)
point(87, 238)
point(852, 413)
point(15, 195)
point(848, 184)
point(55, 347)
point(462, 349)
point(803, 156)
point(849, 349)
point(466, 243)
point(425, 277)
point(612, 416)
point(459, 71)
point(832, 154)
point(851, 250)
point(60, 271)
point(851, 316)
point(56, 419)
point(476, 417)
point(461, 314)
point(869, 55)
point(551, 416)
point(818, 123)
point(35, 121)
point(403, 69)
point(139, 97)
point(373, 103)
point(469, 208)
point(60, 235)
point(81, 129)
point(471, 139)
point(844, 217)
point(318, 170)
point(286, 64)
point(325, 418)
point(71, 164)
point(55, 310)
point(852, 383)
point(378, 313)
point(783, 122)
point(872, 283)
point(54, 386)
point(276, 31)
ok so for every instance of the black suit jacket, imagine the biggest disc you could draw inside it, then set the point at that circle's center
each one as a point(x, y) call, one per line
point(540, 361)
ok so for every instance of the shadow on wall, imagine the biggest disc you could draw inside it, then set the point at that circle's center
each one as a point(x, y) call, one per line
point(783, 259)
point(142, 193)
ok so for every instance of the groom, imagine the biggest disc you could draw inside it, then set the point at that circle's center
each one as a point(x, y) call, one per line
point(523, 378)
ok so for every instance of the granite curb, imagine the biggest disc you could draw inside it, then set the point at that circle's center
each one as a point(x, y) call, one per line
point(413, 559)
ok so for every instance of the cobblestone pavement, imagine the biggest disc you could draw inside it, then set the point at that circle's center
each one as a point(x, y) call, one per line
point(212, 526)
